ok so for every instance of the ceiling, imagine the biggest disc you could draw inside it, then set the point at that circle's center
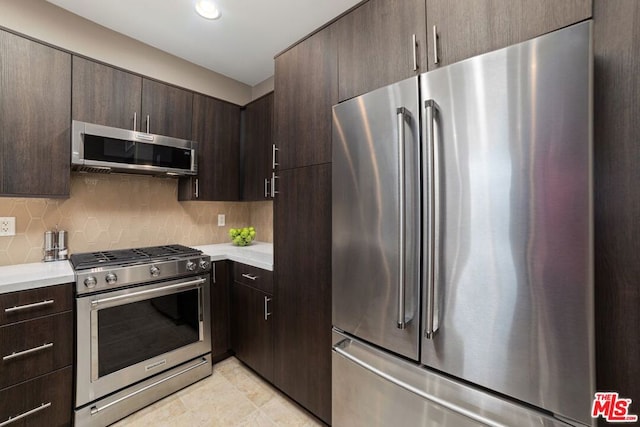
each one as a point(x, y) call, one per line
point(241, 44)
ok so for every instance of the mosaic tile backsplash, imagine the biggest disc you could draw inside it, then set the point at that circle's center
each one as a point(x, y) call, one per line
point(124, 211)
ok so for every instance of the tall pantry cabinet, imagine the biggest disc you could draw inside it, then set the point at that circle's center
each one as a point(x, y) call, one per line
point(616, 161)
point(305, 89)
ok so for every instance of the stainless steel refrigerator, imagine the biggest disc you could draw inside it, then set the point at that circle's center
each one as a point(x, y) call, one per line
point(462, 243)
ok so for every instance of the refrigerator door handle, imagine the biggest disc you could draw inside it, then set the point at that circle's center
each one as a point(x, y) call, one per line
point(401, 320)
point(430, 249)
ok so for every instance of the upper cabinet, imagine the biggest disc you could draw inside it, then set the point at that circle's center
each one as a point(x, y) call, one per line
point(35, 139)
point(105, 95)
point(463, 29)
point(381, 42)
point(108, 96)
point(306, 87)
point(166, 110)
point(216, 128)
point(258, 152)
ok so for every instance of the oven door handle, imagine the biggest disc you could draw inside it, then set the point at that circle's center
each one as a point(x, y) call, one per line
point(192, 284)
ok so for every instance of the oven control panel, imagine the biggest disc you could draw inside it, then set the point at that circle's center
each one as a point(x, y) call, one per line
point(102, 278)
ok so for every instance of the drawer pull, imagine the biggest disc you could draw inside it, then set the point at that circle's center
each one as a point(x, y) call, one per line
point(26, 307)
point(250, 277)
point(25, 352)
point(26, 414)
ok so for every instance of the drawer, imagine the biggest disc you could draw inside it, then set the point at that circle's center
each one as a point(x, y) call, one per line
point(23, 305)
point(253, 276)
point(35, 347)
point(44, 401)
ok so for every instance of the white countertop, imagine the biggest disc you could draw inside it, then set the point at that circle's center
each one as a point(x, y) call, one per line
point(258, 254)
point(21, 277)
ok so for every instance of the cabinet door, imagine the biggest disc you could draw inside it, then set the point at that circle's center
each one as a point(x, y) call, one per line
point(376, 45)
point(257, 148)
point(105, 95)
point(617, 196)
point(468, 28)
point(302, 245)
point(252, 328)
point(167, 110)
point(216, 128)
point(43, 402)
point(35, 119)
point(306, 86)
point(220, 301)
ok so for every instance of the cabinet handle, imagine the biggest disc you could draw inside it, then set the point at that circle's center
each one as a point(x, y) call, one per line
point(273, 184)
point(28, 306)
point(435, 45)
point(266, 188)
point(213, 271)
point(274, 149)
point(26, 414)
point(25, 352)
point(197, 193)
point(135, 121)
point(250, 277)
point(148, 124)
point(414, 48)
point(266, 308)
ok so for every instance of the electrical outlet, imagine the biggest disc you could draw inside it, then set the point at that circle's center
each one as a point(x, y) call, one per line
point(8, 226)
point(221, 220)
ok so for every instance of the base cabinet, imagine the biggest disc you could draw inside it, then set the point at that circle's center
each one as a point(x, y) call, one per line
point(36, 356)
point(252, 319)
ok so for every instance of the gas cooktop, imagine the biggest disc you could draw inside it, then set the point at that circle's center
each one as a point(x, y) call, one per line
point(124, 257)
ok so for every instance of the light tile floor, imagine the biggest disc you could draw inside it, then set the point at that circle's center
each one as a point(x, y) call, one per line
point(232, 396)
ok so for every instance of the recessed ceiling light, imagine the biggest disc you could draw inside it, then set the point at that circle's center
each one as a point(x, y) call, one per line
point(207, 9)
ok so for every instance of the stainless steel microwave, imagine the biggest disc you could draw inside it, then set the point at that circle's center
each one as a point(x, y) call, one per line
point(97, 148)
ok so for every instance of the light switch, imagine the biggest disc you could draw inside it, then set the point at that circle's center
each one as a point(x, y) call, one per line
point(221, 221)
point(8, 226)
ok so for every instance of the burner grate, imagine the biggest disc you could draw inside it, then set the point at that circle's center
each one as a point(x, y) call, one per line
point(123, 257)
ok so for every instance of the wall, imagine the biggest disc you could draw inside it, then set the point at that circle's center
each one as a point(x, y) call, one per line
point(49, 23)
point(124, 211)
point(262, 88)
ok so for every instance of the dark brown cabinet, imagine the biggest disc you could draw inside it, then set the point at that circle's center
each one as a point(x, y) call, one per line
point(216, 128)
point(252, 319)
point(108, 96)
point(617, 197)
point(381, 42)
point(257, 149)
point(35, 121)
point(468, 28)
point(220, 315)
point(105, 95)
point(306, 86)
point(302, 262)
point(166, 110)
point(36, 350)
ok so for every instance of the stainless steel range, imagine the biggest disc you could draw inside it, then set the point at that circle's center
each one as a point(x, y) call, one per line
point(143, 328)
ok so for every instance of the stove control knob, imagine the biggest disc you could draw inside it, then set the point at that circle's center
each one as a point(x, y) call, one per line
point(111, 279)
point(155, 271)
point(204, 264)
point(90, 282)
point(191, 265)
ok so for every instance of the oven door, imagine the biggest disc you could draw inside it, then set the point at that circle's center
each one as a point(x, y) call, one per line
point(131, 334)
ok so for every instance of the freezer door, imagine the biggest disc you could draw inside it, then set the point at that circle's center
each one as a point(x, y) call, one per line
point(509, 244)
point(371, 388)
point(376, 212)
